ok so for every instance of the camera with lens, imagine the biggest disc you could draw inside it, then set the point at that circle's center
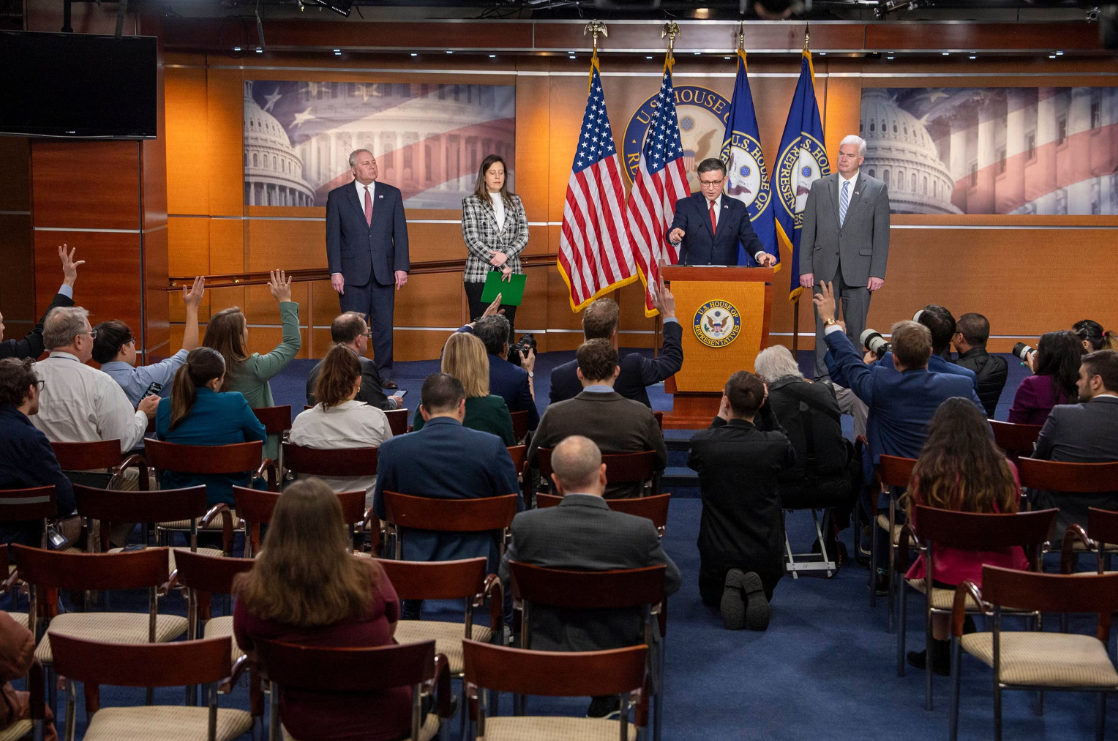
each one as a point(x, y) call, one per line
point(1023, 351)
point(875, 343)
point(524, 344)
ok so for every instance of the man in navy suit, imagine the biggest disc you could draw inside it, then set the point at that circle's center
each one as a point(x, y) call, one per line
point(367, 251)
point(708, 226)
point(512, 383)
point(445, 460)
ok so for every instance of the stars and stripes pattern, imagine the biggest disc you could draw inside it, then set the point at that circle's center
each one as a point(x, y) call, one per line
point(594, 254)
point(661, 181)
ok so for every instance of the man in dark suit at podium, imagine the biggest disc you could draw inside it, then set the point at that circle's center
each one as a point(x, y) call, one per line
point(367, 251)
point(708, 226)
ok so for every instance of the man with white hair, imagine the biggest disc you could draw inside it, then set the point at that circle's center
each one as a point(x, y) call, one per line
point(845, 241)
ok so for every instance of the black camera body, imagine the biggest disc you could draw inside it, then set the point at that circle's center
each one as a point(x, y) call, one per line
point(875, 343)
point(525, 343)
point(1022, 351)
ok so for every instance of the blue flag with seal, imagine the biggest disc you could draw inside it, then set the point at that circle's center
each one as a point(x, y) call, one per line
point(801, 161)
point(747, 179)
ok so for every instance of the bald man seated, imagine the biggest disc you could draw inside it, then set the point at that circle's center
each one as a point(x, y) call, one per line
point(584, 534)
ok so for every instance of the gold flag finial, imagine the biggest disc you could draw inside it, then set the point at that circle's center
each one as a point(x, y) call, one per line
point(671, 30)
point(741, 36)
point(595, 28)
point(807, 34)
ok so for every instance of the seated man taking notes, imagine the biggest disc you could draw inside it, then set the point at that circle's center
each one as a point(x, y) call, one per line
point(708, 226)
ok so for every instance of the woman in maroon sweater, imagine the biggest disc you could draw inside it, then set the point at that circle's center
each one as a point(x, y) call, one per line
point(306, 589)
point(1056, 367)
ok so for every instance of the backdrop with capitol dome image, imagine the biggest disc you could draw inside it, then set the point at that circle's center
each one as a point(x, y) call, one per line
point(1016, 151)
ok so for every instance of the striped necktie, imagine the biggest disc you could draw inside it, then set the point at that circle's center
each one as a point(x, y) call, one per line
point(844, 201)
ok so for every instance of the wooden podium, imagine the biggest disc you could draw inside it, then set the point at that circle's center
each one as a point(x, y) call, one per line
point(724, 312)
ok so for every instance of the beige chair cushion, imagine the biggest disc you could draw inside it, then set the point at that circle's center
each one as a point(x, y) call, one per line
point(171, 565)
point(219, 627)
point(883, 523)
point(1049, 659)
point(523, 728)
point(427, 731)
point(185, 524)
point(165, 723)
point(447, 636)
point(110, 627)
point(16, 730)
point(942, 599)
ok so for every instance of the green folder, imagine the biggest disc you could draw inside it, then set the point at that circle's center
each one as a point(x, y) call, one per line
point(512, 292)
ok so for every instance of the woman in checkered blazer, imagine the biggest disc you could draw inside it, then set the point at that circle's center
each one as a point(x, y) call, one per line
point(496, 232)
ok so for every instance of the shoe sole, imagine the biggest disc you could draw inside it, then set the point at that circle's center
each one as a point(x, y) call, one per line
point(757, 605)
point(733, 603)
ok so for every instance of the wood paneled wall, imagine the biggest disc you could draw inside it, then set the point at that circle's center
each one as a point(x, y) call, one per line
point(1041, 275)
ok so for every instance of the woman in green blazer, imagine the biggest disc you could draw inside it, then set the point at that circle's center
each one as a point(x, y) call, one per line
point(227, 332)
point(464, 357)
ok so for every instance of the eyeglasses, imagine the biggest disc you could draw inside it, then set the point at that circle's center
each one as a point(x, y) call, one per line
point(92, 334)
point(710, 183)
point(39, 384)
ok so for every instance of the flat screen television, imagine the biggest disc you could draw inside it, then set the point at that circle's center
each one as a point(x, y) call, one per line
point(78, 85)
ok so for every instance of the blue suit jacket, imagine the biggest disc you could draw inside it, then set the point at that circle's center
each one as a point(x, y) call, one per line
point(700, 246)
point(445, 460)
point(362, 252)
point(900, 404)
point(936, 364)
point(27, 460)
point(510, 382)
point(215, 419)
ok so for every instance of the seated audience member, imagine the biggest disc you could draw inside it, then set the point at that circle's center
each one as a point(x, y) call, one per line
point(960, 469)
point(464, 358)
point(1055, 367)
point(199, 413)
point(17, 651)
point(1093, 337)
point(809, 414)
point(445, 460)
point(741, 533)
point(78, 403)
point(599, 321)
point(584, 534)
point(339, 420)
point(26, 458)
point(614, 423)
point(350, 331)
point(990, 371)
point(512, 383)
point(115, 350)
point(227, 332)
point(304, 588)
point(1086, 432)
point(31, 346)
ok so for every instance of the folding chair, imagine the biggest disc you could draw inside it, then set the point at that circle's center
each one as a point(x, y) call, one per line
point(893, 473)
point(1074, 478)
point(622, 671)
point(651, 508)
point(1032, 660)
point(355, 671)
point(621, 468)
point(159, 665)
point(21, 505)
point(597, 590)
point(255, 509)
point(970, 531)
point(100, 454)
point(397, 421)
point(1101, 537)
point(478, 515)
point(1018, 441)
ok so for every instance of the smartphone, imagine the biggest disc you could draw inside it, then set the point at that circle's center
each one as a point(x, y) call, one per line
point(133, 547)
point(154, 388)
point(400, 394)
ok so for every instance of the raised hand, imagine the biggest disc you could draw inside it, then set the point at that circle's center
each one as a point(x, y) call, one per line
point(192, 297)
point(280, 286)
point(69, 267)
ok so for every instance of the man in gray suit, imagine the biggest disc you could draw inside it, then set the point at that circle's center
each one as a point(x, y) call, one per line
point(584, 534)
point(1086, 432)
point(845, 241)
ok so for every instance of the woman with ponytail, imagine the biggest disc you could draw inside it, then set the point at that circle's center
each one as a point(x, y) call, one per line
point(1094, 337)
point(198, 413)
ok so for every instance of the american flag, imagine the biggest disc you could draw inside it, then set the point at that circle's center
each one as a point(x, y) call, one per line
point(661, 181)
point(594, 254)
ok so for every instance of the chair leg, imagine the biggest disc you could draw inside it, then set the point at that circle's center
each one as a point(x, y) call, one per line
point(892, 567)
point(902, 626)
point(997, 711)
point(873, 563)
point(1039, 708)
point(658, 710)
point(52, 689)
point(1100, 717)
point(788, 545)
point(953, 733)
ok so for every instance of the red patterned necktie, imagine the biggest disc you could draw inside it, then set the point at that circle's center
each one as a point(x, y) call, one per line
point(368, 207)
point(713, 221)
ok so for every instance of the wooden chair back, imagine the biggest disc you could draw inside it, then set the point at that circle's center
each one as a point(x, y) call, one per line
point(651, 508)
point(1015, 439)
point(254, 506)
point(1102, 526)
point(101, 571)
point(450, 515)
point(337, 462)
point(519, 455)
point(203, 459)
point(86, 456)
point(621, 468)
point(519, 424)
point(895, 471)
point(587, 590)
point(165, 505)
point(463, 579)
point(1084, 478)
point(181, 663)
point(346, 670)
point(397, 421)
point(1028, 590)
point(276, 420)
point(659, 419)
point(984, 532)
point(210, 574)
point(37, 503)
point(554, 673)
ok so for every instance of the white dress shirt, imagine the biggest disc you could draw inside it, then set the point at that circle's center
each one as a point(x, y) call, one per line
point(361, 194)
point(351, 424)
point(79, 403)
point(498, 209)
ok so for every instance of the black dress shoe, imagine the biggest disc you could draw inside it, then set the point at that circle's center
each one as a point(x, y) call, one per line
point(606, 706)
point(881, 582)
point(389, 384)
point(941, 658)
